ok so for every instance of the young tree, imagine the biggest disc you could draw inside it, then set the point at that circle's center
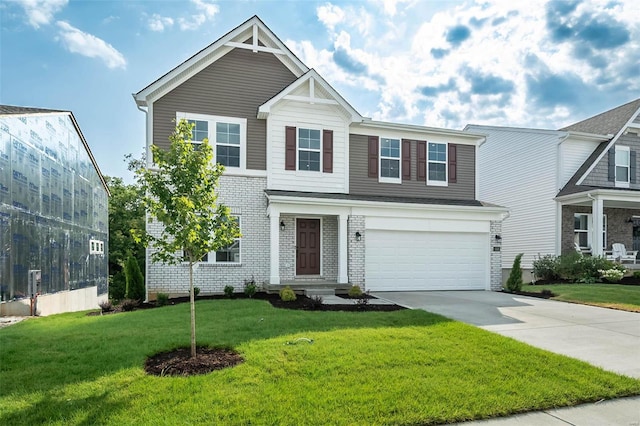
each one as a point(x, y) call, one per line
point(180, 193)
point(514, 282)
point(135, 280)
point(126, 212)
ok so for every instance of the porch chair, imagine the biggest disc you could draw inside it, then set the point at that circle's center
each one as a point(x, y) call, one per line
point(620, 253)
point(581, 250)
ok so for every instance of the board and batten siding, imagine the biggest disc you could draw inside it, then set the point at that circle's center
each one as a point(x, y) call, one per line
point(517, 169)
point(233, 86)
point(599, 176)
point(304, 115)
point(573, 153)
point(360, 182)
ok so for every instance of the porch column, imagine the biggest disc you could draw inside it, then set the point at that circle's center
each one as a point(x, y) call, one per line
point(597, 210)
point(274, 227)
point(342, 249)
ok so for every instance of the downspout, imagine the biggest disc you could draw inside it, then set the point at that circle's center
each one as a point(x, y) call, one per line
point(146, 257)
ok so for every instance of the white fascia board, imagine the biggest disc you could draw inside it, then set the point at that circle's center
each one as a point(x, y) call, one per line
point(606, 150)
point(586, 137)
point(605, 194)
point(36, 114)
point(392, 209)
point(209, 55)
point(462, 137)
point(312, 77)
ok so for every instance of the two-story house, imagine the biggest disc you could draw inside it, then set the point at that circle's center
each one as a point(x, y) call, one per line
point(576, 187)
point(323, 195)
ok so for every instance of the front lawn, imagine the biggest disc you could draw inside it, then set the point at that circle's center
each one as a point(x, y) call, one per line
point(625, 297)
point(403, 367)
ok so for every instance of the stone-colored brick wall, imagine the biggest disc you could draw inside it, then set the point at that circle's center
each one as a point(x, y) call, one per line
point(495, 272)
point(245, 196)
point(355, 262)
point(330, 248)
point(618, 229)
point(288, 248)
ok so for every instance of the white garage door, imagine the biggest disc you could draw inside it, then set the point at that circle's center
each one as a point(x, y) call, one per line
point(401, 260)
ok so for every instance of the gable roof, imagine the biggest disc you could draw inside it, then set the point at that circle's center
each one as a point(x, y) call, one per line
point(261, 38)
point(607, 123)
point(18, 110)
point(312, 77)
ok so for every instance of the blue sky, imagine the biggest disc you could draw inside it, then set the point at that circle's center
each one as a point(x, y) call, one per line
point(543, 64)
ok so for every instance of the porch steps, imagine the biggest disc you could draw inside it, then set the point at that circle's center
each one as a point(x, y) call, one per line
point(311, 292)
point(303, 287)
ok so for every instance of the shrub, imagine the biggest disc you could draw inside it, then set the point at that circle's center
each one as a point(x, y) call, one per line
point(135, 279)
point(196, 291)
point(162, 299)
point(636, 274)
point(287, 294)
point(514, 282)
point(315, 302)
point(355, 291)
point(613, 275)
point(546, 267)
point(106, 306)
point(117, 286)
point(250, 287)
point(570, 266)
point(128, 305)
point(228, 291)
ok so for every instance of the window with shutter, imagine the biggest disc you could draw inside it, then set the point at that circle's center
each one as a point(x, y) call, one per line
point(373, 157)
point(422, 161)
point(327, 151)
point(453, 163)
point(437, 164)
point(406, 159)
point(290, 148)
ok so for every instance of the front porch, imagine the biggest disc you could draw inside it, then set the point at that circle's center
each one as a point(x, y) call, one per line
point(596, 220)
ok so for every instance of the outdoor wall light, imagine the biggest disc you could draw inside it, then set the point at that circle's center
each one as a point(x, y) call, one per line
point(498, 237)
point(358, 236)
point(282, 225)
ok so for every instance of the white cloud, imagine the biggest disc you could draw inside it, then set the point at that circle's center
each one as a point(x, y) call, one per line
point(41, 12)
point(159, 23)
point(330, 15)
point(207, 11)
point(88, 45)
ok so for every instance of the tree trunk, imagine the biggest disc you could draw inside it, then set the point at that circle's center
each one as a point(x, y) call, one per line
point(192, 302)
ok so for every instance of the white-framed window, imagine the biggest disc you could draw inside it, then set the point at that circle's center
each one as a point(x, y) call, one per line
point(96, 247)
point(226, 255)
point(623, 163)
point(437, 164)
point(227, 136)
point(309, 149)
point(582, 225)
point(390, 160)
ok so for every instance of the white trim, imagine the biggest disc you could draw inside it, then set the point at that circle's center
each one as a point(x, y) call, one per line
point(387, 179)
point(311, 99)
point(445, 182)
point(212, 120)
point(295, 260)
point(620, 183)
point(608, 147)
point(467, 138)
point(255, 48)
point(319, 151)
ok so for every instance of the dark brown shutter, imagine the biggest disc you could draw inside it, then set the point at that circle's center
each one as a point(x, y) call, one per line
point(422, 161)
point(327, 151)
point(612, 164)
point(453, 163)
point(632, 167)
point(373, 157)
point(406, 159)
point(290, 148)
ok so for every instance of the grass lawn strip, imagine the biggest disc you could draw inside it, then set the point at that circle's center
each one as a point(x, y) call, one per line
point(402, 367)
point(624, 297)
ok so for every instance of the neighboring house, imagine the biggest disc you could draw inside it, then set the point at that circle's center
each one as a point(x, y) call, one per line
point(324, 196)
point(53, 215)
point(577, 185)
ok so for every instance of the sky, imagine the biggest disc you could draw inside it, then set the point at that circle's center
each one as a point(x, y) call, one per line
point(539, 64)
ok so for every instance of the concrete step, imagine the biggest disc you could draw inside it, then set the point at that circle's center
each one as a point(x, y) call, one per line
point(310, 292)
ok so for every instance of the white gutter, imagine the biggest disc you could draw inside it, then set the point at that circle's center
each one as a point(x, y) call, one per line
point(422, 129)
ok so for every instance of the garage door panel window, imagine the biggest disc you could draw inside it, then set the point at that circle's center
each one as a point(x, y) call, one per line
point(390, 160)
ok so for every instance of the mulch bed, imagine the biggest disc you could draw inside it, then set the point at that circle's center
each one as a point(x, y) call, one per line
point(532, 294)
point(178, 362)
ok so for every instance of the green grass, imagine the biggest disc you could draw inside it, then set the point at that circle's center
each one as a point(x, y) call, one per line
point(404, 367)
point(625, 297)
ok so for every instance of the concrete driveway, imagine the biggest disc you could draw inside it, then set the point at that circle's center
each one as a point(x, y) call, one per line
point(603, 337)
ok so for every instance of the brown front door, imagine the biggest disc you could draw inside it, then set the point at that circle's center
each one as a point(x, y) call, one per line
point(308, 247)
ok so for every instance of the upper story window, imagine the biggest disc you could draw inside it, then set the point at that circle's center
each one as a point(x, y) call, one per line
point(309, 148)
point(227, 136)
point(96, 247)
point(623, 163)
point(390, 160)
point(437, 164)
